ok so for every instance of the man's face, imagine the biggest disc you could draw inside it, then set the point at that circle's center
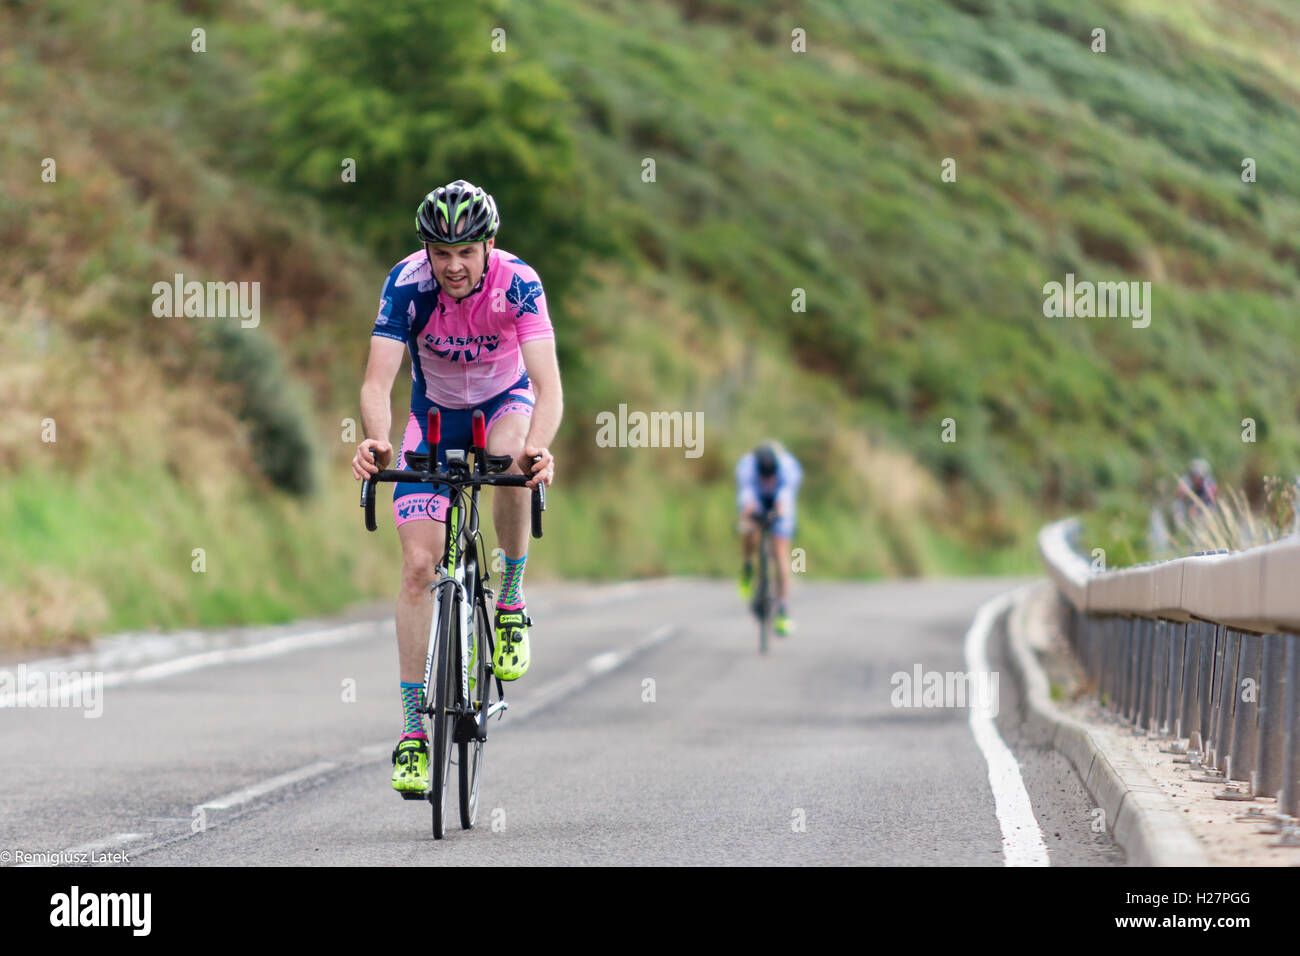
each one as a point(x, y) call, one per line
point(458, 268)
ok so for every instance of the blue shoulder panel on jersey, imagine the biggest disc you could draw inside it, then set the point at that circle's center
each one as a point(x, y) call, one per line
point(393, 320)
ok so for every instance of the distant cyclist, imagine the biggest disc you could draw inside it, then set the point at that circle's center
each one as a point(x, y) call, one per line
point(767, 482)
point(1195, 486)
point(474, 320)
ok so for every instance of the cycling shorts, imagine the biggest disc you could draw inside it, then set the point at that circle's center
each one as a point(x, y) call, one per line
point(416, 502)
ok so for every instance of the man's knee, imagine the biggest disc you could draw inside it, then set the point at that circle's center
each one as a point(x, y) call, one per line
point(507, 436)
point(419, 569)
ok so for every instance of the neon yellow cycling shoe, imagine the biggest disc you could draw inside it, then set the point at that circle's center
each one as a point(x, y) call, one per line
point(746, 583)
point(784, 626)
point(510, 657)
point(411, 767)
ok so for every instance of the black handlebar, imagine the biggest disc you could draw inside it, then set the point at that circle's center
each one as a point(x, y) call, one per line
point(457, 479)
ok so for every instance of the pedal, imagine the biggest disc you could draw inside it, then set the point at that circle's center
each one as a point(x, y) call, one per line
point(412, 795)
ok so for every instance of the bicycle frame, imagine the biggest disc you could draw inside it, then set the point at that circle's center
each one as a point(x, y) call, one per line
point(764, 595)
point(460, 579)
point(459, 575)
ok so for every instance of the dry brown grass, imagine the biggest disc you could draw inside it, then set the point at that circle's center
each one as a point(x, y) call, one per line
point(1230, 524)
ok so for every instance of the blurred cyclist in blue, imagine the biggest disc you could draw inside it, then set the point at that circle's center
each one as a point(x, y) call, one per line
point(767, 482)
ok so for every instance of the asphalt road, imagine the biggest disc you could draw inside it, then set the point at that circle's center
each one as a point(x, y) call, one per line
point(649, 731)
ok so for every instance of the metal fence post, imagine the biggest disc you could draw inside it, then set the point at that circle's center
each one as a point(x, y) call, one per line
point(1208, 674)
point(1173, 677)
point(1116, 639)
point(1245, 711)
point(1187, 712)
point(1160, 671)
point(1143, 688)
point(1227, 698)
point(1288, 800)
point(1129, 630)
point(1267, 779)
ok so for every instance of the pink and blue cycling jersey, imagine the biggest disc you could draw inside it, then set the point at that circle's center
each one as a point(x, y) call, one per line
point(463, 352)
point(465, 355)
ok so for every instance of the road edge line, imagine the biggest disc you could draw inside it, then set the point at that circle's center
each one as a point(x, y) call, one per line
point(1142, 819)
point(1022, 837)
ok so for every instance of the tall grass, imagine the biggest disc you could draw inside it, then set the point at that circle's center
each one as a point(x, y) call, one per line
point(776, 171)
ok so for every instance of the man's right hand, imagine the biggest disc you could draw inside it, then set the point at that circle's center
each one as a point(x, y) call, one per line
point(362, 464)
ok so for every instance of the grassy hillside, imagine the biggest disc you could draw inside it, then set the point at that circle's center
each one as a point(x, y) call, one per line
point(774, 171)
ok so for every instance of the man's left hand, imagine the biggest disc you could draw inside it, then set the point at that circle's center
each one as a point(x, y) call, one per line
point(543, 471)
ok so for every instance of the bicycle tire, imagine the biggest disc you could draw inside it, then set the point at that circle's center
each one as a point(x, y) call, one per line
point(471, 752)
point(444, 699)
point(764, 597)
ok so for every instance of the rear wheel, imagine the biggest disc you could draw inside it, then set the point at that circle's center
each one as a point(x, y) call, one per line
point(444, 724)
point(471, 753)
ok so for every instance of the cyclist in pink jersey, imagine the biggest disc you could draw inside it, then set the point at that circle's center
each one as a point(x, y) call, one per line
point(473, 319)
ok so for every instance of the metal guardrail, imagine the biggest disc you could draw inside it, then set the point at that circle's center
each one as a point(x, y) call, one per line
point(1203, 651)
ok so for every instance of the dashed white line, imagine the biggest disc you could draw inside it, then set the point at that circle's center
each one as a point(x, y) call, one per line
point(240, 797)
point(595, 666)
point(546, 695)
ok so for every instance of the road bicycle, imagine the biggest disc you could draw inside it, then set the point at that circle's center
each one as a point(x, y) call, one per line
point(458, 703)
point(764, 601)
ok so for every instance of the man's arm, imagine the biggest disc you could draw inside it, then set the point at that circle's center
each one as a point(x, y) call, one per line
point(544, 375)
point(746, 500)
point(377, 404)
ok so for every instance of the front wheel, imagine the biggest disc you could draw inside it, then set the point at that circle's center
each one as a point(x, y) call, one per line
point(764, 602)
point(444, 723)
point(471, 752)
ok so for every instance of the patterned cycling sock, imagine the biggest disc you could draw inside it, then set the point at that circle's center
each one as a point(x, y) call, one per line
point(511, 597)
point(412, 722)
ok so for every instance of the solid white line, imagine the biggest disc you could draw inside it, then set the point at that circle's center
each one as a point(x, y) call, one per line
point(1022, 840)
point(266, 786)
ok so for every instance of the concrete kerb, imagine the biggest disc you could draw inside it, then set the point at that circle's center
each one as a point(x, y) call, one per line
point(1143, 821)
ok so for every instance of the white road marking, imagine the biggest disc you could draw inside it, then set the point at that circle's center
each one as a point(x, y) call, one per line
point(1022, 840)
point(240, 797)
point(547, 694)
point(70, 686)
point(602, 663)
